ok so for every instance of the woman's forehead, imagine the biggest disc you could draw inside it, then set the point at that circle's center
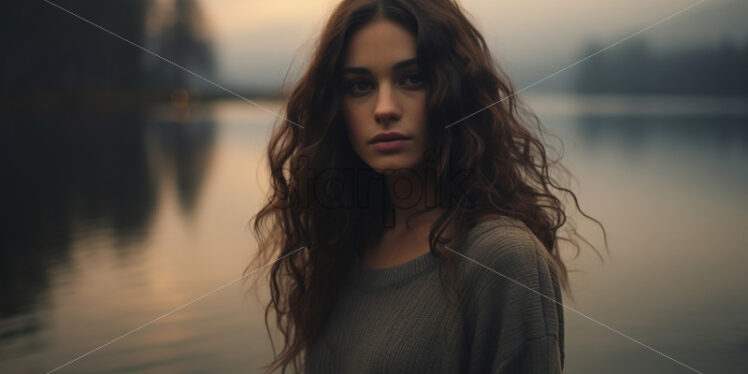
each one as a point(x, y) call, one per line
point(380, 45)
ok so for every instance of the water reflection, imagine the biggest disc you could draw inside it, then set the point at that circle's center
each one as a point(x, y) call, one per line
point(181, 152)
point(718, 132)
point(69, 180)
point(668, 177)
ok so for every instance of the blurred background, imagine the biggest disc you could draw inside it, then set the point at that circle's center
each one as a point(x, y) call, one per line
point(127, 182)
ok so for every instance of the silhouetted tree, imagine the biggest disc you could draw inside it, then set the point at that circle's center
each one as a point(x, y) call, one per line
point(182, 38)
point(46, 48)
point(54, 60)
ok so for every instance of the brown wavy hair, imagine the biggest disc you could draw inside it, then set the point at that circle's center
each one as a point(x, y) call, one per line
point(313, 219)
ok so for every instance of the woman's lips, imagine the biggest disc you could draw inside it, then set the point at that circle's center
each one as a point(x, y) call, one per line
point(389, 145)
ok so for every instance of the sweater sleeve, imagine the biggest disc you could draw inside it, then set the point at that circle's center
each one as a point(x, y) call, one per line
point(514, 317)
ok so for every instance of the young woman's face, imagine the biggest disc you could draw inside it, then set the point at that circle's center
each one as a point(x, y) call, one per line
point(384, 93)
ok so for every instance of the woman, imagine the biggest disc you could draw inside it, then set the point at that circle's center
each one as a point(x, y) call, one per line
point(411, 221)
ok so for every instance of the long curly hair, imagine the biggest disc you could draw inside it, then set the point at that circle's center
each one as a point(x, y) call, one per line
point(321, 207)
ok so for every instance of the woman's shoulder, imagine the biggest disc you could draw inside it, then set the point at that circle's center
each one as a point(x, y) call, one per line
point(503, 252)
point(512, 298)
point(501, 242)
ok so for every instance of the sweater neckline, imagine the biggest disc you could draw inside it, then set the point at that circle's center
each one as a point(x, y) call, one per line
point(383, 277)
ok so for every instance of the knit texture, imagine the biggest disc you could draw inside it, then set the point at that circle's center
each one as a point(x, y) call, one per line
point(396, 319)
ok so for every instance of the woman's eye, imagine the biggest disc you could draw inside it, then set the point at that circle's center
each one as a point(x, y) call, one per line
point(358, 86)
point(413, 79)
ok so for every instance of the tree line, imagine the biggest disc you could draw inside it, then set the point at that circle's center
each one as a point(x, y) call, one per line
point(636, 68)
point(50, 54)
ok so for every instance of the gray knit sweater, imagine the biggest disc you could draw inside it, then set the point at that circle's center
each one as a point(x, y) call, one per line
point(396, 320)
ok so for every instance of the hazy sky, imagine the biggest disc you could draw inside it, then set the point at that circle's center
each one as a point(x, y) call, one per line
point(257, 41)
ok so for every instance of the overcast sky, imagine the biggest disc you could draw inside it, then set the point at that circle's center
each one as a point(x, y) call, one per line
point(258, 41)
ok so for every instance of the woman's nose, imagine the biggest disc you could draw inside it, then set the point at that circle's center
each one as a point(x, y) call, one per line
point(387, 109)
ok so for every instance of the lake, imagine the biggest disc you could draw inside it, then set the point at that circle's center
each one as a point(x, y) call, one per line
point(127, 234)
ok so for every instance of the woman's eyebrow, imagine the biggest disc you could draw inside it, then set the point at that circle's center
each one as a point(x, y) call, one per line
point(361, 70)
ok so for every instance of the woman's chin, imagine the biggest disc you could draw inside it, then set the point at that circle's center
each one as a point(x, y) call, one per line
point(390, 168)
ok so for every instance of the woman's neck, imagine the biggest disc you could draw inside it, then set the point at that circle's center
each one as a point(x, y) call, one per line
point(411, 191)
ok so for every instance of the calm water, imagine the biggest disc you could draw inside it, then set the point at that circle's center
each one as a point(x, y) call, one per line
point(115, 222)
